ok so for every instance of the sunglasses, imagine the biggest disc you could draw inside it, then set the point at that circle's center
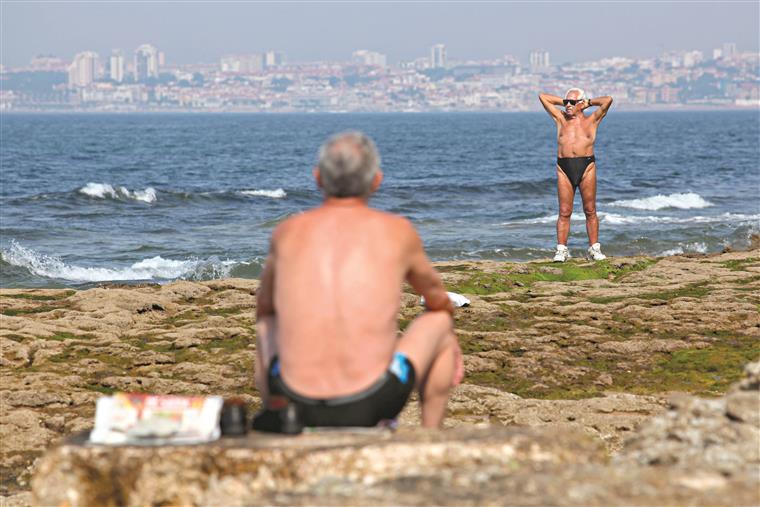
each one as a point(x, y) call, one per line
point(572, 102)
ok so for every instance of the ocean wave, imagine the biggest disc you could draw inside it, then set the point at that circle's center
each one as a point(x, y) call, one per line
point(106, 191)
point(696, 247)
point(616, 219)
point(274, 194)
point(154, 268)
point(688, 200)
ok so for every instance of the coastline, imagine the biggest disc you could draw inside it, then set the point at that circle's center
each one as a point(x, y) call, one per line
point(600, 347)
point(625, 108)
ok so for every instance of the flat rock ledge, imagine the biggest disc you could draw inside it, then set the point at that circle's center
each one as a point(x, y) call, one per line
point(486, 465)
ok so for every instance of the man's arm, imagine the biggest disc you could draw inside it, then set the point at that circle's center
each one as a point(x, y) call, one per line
point(604, 104)
point(549, 101)
point(423, 277)
point(266, 325)
point(265, 294)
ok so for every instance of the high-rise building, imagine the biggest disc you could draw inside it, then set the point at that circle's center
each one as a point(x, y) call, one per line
point(438, 56)
point(274, 58)
point(539, 59)
point(83, 69)
point(729, 50)
point(116, 66)
point(146, 62)
point(365, 57)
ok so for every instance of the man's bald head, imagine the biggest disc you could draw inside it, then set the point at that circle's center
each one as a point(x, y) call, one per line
point(348, 163)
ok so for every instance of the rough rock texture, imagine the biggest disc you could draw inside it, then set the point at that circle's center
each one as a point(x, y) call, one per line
point(698, 453)
point(594, 347)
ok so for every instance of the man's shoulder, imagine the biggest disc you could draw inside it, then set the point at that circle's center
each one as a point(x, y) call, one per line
point(397, 222)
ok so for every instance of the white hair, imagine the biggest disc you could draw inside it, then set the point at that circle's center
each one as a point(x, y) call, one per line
point(347, 165)
point(581, 92)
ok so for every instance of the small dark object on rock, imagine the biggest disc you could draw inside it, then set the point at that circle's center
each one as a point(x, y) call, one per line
point(233, 421)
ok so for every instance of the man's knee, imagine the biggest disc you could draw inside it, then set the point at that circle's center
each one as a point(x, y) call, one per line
point(565, 213)
point(440, 318)
point(590, 212)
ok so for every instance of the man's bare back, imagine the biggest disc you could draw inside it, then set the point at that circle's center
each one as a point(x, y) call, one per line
point(327, 307)
point(339, 270)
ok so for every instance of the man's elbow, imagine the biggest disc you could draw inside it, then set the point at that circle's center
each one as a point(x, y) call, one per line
point(264, 310)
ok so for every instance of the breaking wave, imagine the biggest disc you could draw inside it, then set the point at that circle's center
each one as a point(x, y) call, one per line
point(688, 200)
point(274, 194)
point(106, 191)
point(154, 268)
point(615, 219)
point(697, 247)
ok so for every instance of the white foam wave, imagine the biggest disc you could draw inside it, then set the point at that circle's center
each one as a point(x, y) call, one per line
point(697, 247)
point(688, 200)
point(104, 191)
point(616, 219)
point(154, 268)
point(274, 194)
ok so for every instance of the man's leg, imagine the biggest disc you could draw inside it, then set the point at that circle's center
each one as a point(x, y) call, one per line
point(565, 193)
point(266, 349)
point(588, 195)
point(431, 346)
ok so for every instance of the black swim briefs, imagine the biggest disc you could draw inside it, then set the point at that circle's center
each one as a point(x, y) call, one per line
point(381, 401)
point(574, 168)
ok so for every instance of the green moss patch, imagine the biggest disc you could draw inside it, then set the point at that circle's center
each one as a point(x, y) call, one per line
point(224, 312)
point(453, 268)
point(740, 264)
point(13, 312)
point(99, 388)
point(228, 344)
point(15, 337)
point(707, 372)
point(63, 336)
point(41, 297)
point(695, 290)
point(483, 283)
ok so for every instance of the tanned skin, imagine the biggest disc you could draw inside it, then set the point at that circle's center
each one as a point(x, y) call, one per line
point(576, 133)
point(329, 300)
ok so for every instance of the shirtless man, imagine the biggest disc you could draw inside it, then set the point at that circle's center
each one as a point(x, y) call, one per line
point(576, 167)
point(329, 299)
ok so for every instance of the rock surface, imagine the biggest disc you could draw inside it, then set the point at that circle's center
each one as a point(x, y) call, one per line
point(598, 348)
point(696, 453)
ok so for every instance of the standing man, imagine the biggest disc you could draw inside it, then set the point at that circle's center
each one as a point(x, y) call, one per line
point(326, 315)
point(576, 166)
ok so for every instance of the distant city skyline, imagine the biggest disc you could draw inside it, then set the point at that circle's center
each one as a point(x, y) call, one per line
point(204, 33)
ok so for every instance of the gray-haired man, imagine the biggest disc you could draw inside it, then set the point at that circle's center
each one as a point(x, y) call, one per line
point(329, 300)
point(576, 165)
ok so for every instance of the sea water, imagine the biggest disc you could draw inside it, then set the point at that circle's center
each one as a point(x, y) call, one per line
point(100, 197)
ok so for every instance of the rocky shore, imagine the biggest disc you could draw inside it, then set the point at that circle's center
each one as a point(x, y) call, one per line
point(608, 351)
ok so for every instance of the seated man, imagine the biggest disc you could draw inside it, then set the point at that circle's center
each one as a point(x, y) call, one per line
point(329, 299)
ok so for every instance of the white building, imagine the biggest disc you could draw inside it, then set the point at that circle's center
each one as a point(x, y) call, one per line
point(539, 59)
point(274, 58)
point(366, 57)
point(146, 62)
point(438, 56)
point(83, 69)
point(244, 64)
point(116, 66)
point(728, 50)
point(692, 58)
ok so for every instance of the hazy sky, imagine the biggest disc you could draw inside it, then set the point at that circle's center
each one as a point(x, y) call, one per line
point(203, 31)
